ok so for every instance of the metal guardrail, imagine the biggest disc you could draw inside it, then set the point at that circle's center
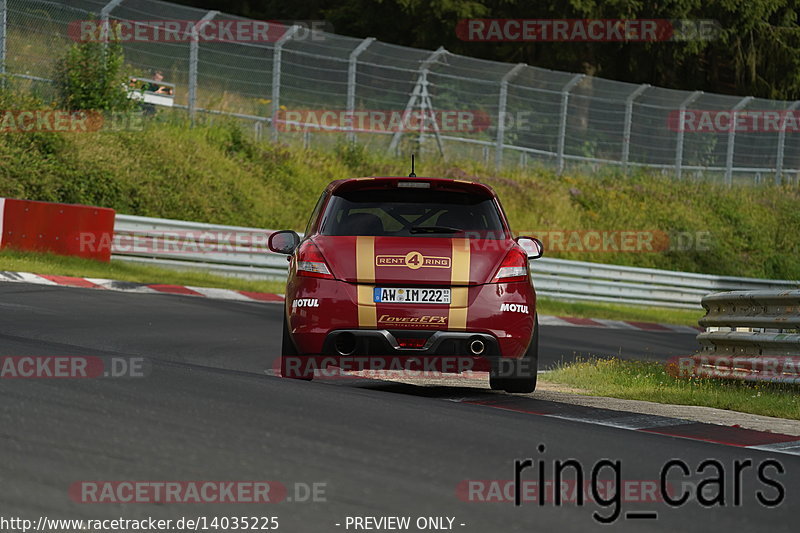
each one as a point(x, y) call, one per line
point(224, 250)
point(750, 335)
point(241, 251)
point(577, 280)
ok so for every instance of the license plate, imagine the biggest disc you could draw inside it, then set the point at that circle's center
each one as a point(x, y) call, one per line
point(411, 296)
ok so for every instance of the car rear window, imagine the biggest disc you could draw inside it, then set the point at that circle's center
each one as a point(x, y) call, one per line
point(407, 213)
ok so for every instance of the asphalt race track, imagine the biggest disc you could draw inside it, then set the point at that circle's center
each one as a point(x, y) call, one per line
point(209, 409)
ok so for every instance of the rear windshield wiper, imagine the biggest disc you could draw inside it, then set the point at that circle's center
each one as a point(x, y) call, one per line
point(435, 229)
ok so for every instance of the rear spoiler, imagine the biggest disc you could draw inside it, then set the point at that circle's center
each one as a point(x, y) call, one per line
point(434, 184)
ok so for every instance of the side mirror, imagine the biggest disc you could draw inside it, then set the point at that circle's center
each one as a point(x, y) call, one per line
point(283, 242)
point(532, 246)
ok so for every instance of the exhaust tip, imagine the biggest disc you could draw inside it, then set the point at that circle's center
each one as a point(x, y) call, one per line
point(345, 343)
point(477, 346)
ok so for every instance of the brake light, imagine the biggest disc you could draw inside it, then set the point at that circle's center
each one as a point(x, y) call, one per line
point(310, 262)
point(412, 343)
point(513, 268)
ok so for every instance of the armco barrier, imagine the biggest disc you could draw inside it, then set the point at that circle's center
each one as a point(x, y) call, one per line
point(564, 279)
point(750, 335)
point(66, 229)
point(241, 251)
point(224, 250)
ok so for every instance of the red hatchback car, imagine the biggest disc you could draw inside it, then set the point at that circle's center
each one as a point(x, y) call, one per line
point(423, 267)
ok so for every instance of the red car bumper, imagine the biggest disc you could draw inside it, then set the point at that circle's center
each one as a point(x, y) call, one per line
point(332, 317)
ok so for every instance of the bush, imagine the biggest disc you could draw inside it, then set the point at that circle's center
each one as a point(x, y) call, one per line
point(90, 76)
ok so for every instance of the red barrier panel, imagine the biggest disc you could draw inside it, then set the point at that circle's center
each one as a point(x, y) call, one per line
point(65, 229)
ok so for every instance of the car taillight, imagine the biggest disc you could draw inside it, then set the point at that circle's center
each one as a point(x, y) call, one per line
point(310, 262)
point(513, 268)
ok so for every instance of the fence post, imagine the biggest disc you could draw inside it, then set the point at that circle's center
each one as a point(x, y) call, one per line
point(626, 135)
point(732, 138)
point(562, 130)
point(3, 26)
point(501, 111)
point(418, 93)
point(782, 144)
point(194, 48)
point(351, 84)
point(679, 141)
point(104, 14)
point(276, 77)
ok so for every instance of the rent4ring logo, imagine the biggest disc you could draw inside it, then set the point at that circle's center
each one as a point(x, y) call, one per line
point(412, 260)
point(586, 30)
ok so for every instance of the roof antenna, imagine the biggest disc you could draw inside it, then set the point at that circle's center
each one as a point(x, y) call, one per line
point(412, 175)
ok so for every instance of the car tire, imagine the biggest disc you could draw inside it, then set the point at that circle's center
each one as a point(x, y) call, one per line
point(519, 375)
point(289, 351)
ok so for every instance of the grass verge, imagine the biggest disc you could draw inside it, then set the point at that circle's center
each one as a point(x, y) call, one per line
point(45, 263)
point(642, 380)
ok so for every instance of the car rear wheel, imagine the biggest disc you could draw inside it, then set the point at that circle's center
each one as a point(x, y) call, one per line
point(293, 365)
point(518, 375)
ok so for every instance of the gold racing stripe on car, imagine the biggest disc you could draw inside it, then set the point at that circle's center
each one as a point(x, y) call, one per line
point(459, 272)
point(365, 259)
point(457, 314)
point(365, 276)
point(367, 314)
point(459, 295)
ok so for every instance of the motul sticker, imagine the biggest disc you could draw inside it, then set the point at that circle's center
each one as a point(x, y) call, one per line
point(413, 260)
point(305, 302)
point(514, 308)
